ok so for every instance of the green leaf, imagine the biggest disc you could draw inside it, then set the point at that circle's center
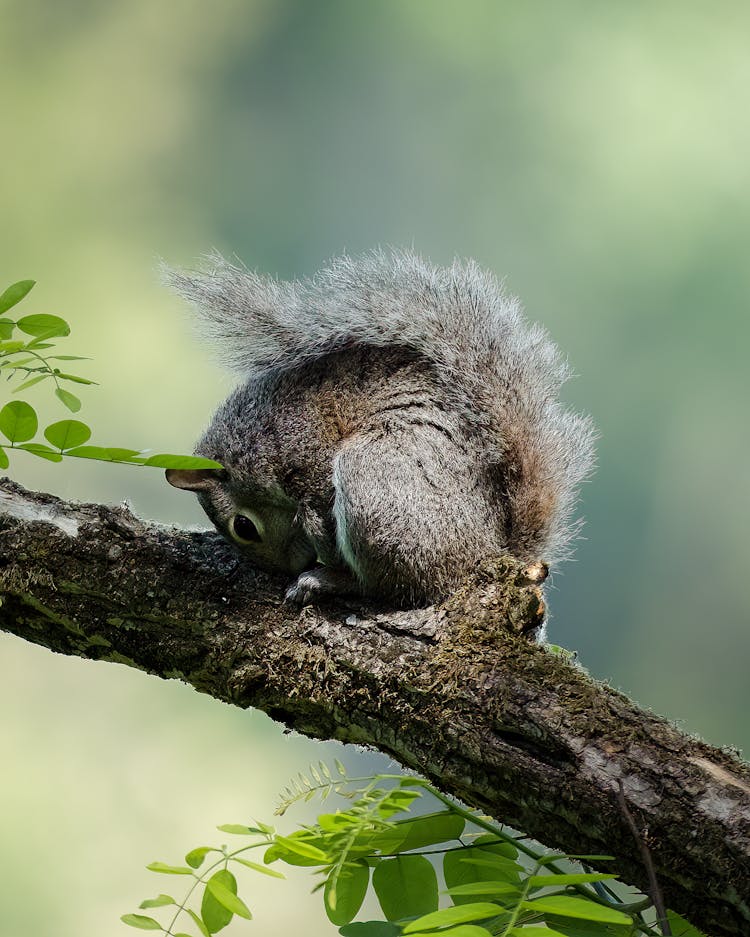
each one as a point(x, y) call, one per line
point(480, 862)
point(199, 923)
point(70, 400)
point(405, 886)
point(43, 326)
point(6, 328)
point(301, 848)
point(501, 867)
point(74, 377)
point(570, 927)
point(164, 460)
point(535, 932)
point(458, 914)
point(398, 800)
point(38, 378)
point(483, 888)
point(10, 348)
point(196, 856)
point(259, 868)
point(550, 881)
point(168, 869)
point(18, 421)
point(157, 902)
point(19, 364)
point(4, 460)
point(370, 929)
point(337, 822)
point(67, 358)
point(41, 451)
point(141, 921)
point(681, 927)
point(103, 453)
point(578, 908)
point(227, 896)
point(488, 842)
point(416, 833)
point(118, 454)
point(344, 893)
point(67, 433)
point(215, 914)
point(14, 294)
point(238, 829)
point(279, 849)
point(463, 930)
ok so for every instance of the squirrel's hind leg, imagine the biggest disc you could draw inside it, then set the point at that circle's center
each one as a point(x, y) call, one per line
point(411, 513)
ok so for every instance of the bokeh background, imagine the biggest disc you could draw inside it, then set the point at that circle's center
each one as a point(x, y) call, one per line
point(595, 154)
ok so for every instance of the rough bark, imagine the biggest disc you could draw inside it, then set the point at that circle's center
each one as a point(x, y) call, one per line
point(456, 691)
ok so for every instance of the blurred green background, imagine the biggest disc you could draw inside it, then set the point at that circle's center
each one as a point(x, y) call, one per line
point(596, 154)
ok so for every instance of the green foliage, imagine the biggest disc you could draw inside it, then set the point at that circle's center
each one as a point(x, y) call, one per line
point(159, 902)
point(220, 902)
point(406, 886)
point(345, 891)
point(141, 922)
point(458, 914)
point(498, 884)
point(25, 357)
point(681, 927)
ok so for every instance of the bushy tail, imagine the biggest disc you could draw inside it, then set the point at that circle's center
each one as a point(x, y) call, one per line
point(458, 317)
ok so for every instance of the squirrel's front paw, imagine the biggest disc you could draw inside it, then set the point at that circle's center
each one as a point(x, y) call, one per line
point(309, 586)
point(320, 581)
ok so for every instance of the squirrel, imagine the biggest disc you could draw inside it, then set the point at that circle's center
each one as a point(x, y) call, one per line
point(398, 422)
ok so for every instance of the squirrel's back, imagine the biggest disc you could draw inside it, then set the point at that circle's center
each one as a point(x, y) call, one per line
point(504, 372)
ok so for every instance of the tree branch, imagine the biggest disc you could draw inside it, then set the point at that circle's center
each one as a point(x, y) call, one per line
point(454, 691)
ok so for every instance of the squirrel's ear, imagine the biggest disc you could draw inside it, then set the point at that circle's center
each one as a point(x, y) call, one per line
point(193, 479)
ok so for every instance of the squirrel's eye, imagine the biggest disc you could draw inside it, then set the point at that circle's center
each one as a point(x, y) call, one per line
point(244, 529)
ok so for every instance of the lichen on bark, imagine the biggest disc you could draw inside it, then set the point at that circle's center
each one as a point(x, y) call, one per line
point(457, 691)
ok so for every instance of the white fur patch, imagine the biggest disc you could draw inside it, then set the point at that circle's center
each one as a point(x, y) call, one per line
point(339, 515)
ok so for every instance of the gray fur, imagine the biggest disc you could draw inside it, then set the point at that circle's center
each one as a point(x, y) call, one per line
point(403, 418)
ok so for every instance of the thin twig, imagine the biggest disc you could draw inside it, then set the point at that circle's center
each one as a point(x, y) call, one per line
point(654, 889)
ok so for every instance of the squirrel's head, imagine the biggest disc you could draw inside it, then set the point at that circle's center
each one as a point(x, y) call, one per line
point(262, 523)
